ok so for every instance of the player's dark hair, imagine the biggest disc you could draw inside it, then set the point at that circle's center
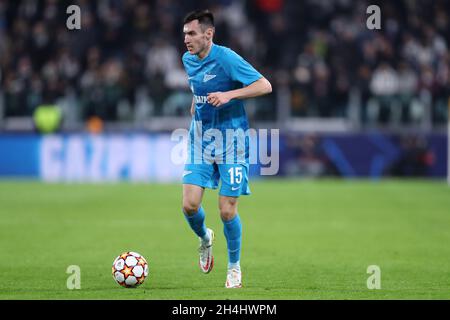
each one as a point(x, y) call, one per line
point(205, 18)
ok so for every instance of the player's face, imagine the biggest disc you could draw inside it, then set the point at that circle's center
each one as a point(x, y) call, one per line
point(196, 39)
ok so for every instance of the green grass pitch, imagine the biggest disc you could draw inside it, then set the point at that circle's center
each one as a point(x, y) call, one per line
point(302, 239)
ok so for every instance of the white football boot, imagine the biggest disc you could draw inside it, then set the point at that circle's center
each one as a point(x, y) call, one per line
point(206, 261)
point(234, 278)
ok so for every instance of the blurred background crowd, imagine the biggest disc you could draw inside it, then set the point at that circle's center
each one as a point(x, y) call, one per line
point(124, 64)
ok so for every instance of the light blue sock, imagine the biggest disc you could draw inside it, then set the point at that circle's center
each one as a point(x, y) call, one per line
point(233, 233)
point(197, 223)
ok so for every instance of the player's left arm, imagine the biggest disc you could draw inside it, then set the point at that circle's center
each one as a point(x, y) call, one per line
point(258, 88)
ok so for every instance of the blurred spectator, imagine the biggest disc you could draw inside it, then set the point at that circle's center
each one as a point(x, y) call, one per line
point(415, 158)
point(384, 86)
point(308, 157)
point(407, 86)
point(47, 118)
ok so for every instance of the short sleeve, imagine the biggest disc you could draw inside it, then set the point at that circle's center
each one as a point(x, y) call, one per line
point(239, 69)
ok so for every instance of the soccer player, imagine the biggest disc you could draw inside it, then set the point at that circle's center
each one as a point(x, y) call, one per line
point(219, 79)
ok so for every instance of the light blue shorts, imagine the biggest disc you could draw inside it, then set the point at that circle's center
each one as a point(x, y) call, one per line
point(234, 177)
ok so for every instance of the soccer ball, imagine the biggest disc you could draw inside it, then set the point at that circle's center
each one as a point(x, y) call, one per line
point(130, 269)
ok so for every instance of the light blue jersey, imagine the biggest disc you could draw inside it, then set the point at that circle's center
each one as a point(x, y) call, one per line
point(221, 70)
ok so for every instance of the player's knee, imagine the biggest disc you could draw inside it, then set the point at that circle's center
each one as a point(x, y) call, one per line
point(227, 211)
point(227, 215)
point(190, 207)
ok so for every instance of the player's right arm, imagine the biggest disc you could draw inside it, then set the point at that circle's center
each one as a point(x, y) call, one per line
point(254, 84)
point(258, 88)
point(192, 107)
